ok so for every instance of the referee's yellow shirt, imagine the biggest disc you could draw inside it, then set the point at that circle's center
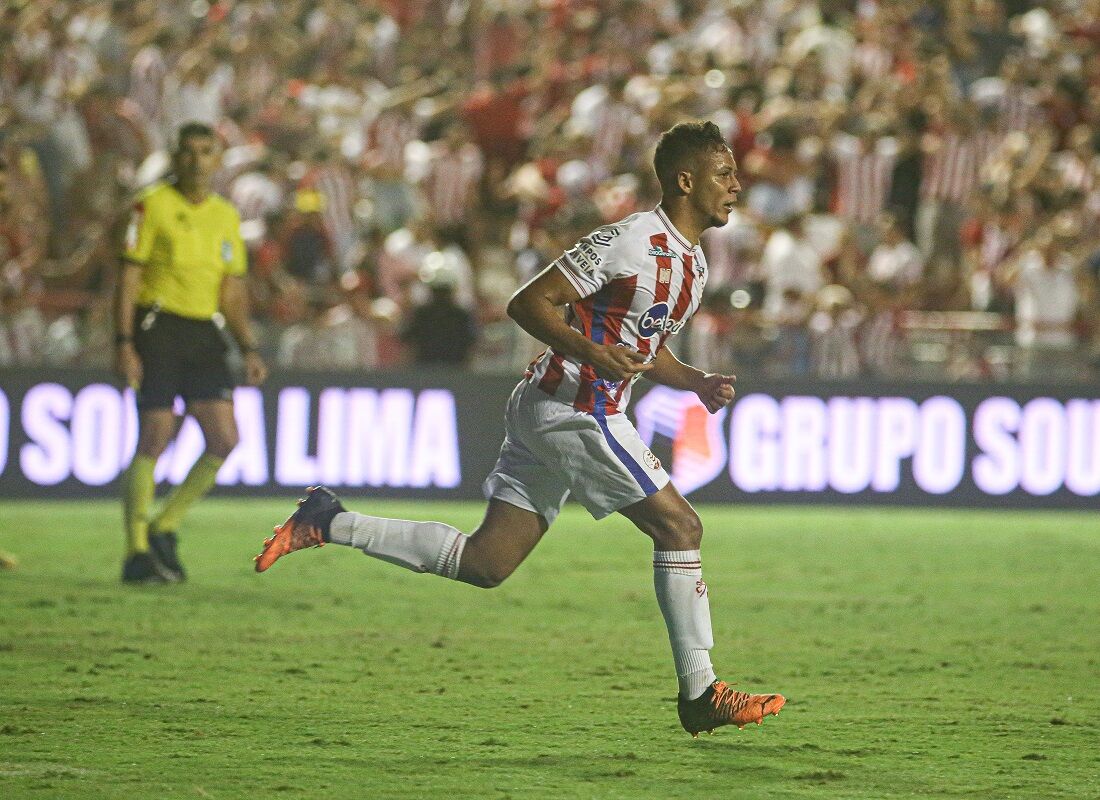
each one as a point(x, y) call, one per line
point(185, 250)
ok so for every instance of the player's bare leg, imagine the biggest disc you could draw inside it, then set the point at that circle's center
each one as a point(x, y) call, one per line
point(500, 543)
point(704, 702)
point(484, 558)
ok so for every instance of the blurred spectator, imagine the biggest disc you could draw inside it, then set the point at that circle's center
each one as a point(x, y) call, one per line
point(257, 194)
point(1047, 305)
point(440, 331)
point(712, 331)
point(791, 349)
point(22, 328)
point(833, 328)
point(453, 172)
point(381, 132)
point(22, 234)
point(895, 263)
point(334, 333)
point(307, 250)
point(789, 262)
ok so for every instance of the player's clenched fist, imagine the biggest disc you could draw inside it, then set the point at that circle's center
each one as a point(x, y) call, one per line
point(716, 391)
point(618, 363)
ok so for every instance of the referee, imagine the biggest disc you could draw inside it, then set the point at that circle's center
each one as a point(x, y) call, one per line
point(181, 284)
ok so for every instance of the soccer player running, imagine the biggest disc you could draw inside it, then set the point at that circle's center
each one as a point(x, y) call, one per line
point(627, 287)
point(181, 283)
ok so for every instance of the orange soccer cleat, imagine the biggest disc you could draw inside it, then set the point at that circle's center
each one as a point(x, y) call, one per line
point(306, 527)
point(721, 705)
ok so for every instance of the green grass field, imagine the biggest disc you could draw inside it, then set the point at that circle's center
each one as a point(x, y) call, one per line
point(924, 654)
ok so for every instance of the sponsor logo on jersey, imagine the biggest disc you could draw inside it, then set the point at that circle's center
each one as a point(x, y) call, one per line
point(656, 320)
point(661, 252)
point(603, 236)
point(585, 256)
point(651, 460)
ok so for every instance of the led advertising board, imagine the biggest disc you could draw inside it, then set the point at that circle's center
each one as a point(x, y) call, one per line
point(404, 434)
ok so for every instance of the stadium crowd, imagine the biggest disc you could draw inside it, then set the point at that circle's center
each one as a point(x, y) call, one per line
point(922, 179)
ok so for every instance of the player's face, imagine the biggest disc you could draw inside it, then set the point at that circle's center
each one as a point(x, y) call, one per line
point(196, 160)
point(716, 189)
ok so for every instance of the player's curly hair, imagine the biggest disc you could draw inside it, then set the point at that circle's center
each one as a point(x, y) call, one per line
point(680, 146)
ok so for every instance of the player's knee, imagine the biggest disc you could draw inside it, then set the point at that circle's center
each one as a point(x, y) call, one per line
point(488, 577)
point(691, 530)
point(483, 574)
point(681, 531)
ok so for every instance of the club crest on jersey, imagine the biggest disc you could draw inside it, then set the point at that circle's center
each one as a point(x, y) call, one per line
point(661, 252)
point(656, 320)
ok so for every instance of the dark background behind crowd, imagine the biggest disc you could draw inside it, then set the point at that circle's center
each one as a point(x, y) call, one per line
point(922, 180)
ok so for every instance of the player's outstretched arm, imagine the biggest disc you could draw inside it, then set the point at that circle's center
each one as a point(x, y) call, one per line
point(536, 308)
point(715, 390)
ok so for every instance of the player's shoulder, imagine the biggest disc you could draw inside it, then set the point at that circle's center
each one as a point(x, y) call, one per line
point(640, 224)
point(638, 227)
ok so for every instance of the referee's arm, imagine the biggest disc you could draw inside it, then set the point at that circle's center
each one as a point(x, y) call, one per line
point(234, 305)
point(127, 362)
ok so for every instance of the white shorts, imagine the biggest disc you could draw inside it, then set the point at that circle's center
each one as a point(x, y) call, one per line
point(550, 449)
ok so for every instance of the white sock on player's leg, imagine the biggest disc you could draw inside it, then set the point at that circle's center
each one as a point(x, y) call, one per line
point(682, 596)
point(419, 546)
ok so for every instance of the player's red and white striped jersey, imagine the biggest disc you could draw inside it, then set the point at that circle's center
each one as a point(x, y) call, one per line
point(640, 281)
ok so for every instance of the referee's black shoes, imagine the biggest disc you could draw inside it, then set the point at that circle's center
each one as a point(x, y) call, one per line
point(163, 548)
point(144, 568)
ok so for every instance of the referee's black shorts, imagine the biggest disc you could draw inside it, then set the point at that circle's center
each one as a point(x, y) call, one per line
point(180, 357)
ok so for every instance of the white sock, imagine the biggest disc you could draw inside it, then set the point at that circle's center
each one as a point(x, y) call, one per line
point(682, 595)
point(419, 546)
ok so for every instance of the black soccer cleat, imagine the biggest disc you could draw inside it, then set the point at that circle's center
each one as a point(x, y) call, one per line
point(143, 568)
point(306, 527)
point(163, 548)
